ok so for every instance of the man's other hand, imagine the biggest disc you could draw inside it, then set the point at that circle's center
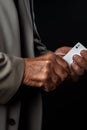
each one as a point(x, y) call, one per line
point(79, 65)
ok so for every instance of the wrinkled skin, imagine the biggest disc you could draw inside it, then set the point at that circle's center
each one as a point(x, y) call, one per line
point(46, 71)
point(50, 70)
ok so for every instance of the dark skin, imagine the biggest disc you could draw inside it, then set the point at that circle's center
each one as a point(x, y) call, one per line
point(50, 70)
point(46, 71)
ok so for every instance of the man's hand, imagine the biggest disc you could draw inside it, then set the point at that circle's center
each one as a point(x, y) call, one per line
point(78, 66)
point(46, 71)
point(62, 51)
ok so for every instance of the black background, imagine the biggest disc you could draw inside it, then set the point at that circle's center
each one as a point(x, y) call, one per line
point(60, 23)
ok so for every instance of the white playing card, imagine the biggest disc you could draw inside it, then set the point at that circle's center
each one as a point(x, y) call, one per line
point(75, 50)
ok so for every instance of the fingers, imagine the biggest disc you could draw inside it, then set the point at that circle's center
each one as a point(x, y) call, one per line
point(79, 65)
point(84, 54)
point(62, 63)
point(77, 69)
point(81, 61)
point(51, 84)
point(52, 80)
point(62, 51)
point(60, 71)
point(56, 75)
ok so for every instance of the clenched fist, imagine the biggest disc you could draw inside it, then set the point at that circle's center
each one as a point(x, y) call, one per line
point(46, 71)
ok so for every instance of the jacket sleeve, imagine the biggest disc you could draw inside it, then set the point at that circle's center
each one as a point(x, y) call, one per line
point(39, 47)
point(11, 74)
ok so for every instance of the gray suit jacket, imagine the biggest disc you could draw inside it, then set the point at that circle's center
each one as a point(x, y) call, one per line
point(18, 39)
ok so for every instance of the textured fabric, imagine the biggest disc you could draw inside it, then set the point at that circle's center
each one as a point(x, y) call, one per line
point(18, 39)
point(11, 66)
point(11, 74)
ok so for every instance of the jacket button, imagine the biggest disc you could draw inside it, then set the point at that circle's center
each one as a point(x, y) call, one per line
point(12, 122)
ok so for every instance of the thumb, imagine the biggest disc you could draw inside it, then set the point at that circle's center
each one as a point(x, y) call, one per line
point(62, 51)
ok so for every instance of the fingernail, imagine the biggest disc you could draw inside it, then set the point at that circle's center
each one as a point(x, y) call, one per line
point(75, 57)
point(83, 52)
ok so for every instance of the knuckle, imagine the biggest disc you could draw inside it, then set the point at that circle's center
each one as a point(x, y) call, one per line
point(48, 63)
point(48, 67)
